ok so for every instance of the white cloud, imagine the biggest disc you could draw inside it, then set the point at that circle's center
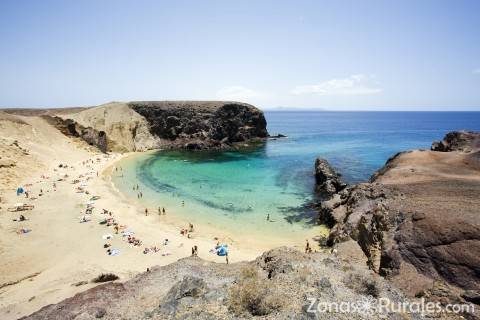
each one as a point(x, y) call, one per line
point(238, 93)
point(476, 70)
point(358, 84)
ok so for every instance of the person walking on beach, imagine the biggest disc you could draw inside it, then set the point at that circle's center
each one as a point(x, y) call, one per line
point(159, 211)
point(163, 210)
point(268, 216)
point(194, 251)
point(307, 247)
point(146, 212)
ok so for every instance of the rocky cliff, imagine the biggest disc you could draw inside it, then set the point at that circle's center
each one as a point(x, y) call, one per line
point(202, 125)
point(465, 141)
point(417, 220)
point(327, 180)
point(144, 125)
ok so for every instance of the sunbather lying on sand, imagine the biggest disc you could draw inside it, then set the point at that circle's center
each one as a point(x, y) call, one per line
point(23, 231)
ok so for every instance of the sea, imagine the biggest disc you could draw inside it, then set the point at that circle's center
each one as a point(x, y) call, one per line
point(235, 191)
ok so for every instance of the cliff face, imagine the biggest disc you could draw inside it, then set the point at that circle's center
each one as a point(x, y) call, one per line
point(202, 125)
point(144, 125)
point(417, 220)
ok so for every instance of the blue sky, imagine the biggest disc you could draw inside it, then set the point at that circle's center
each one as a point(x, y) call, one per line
point(339, 55)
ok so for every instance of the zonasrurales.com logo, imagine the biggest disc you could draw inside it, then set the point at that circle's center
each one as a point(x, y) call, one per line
point(369, 306)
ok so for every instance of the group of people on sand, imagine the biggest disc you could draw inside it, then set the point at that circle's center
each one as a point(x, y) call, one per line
point(187, 232)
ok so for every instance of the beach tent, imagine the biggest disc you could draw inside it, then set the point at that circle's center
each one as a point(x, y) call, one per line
point(222, 250)
point(19, 190)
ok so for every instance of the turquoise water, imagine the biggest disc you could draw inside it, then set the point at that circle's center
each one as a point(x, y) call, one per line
point(234, 191)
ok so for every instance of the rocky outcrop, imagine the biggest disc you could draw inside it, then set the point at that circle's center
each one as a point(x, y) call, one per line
point(328, 182)
point(465, 141)
point(202, 125)
point(280, 284)
point(144, 125)
point(417, 220)
point(72, 128)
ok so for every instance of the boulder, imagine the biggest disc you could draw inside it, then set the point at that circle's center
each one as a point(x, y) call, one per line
point(328, 182)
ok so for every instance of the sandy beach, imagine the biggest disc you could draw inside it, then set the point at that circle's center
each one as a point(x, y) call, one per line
point(42, 266)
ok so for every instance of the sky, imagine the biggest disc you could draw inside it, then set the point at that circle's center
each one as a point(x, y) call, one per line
point(335, 55)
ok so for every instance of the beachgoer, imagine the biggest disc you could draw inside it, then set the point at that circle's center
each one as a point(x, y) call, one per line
point(163, 210)
point(268, 216)
point(307, 248)
point(159, 211)
point(190, 227)
point(146, 212)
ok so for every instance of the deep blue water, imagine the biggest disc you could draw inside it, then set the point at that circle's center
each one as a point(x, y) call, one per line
point(358, 143)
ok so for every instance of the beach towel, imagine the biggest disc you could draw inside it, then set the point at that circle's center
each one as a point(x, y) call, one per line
point(114, 252)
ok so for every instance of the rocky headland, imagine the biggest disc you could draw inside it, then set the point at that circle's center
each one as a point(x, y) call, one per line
point(417, 221)
point(146, 125)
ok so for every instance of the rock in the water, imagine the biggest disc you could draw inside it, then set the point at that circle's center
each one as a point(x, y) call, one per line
point(328, 182)
point(465, 141)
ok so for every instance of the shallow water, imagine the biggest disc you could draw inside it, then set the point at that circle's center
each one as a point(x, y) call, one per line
point(234, 191)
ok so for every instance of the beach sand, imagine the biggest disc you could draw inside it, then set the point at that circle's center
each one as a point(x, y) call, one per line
point(44, 265)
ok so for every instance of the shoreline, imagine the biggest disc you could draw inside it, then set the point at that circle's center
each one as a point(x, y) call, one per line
point(210, 232)
point(75, 250)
